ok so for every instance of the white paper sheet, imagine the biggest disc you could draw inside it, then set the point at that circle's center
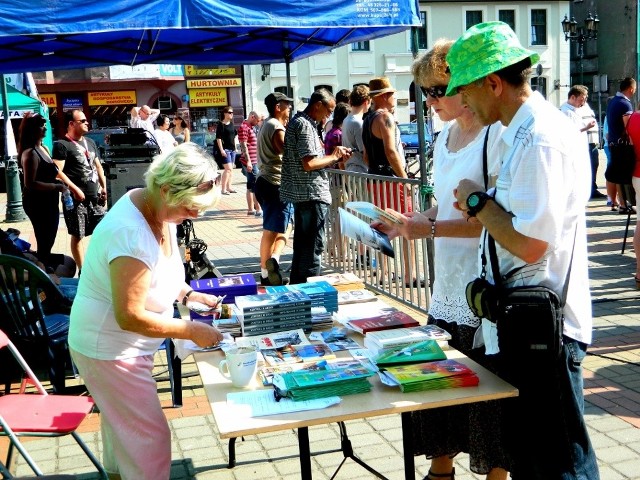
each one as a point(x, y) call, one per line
point(260, 403)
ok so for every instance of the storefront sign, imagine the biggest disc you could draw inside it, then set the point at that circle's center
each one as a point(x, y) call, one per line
point(171, 70)
point(210, 97)
point(50, 99)
point(71, 103)
point(15, 113)
point(214, 83)
point(204, 71)
point(122, 97)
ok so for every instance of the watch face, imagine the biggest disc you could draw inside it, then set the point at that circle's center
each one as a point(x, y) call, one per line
point(473, 200)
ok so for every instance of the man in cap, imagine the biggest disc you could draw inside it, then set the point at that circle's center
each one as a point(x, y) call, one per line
point(277, 214)
point(537, 217)
point(305, 183)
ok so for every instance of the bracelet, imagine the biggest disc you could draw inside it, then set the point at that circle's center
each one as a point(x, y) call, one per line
point(433, 228)
point(186, 296)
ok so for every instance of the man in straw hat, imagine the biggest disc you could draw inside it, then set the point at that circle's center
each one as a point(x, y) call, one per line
point(537, 217)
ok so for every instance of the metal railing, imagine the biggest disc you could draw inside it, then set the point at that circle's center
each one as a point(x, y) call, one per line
point(413, 259)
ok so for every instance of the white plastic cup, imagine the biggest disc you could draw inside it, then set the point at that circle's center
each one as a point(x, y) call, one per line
point(240, 366)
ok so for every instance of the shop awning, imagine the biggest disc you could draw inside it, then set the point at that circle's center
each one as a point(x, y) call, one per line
point(37, 35)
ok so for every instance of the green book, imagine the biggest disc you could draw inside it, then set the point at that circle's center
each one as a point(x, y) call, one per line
point(432, 375)
point(306, 385)
point(426, 351)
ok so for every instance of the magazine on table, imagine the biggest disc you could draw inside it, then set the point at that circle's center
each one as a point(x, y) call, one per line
point(359, 230)
point(274, 340)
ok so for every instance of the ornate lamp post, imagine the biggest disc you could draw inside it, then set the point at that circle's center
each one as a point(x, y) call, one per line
point(581, 35)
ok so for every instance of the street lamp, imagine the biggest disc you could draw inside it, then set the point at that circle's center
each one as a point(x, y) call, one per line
point(581, 35)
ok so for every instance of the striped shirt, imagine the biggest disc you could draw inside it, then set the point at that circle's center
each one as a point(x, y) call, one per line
point(247, 136)
point(301, 140)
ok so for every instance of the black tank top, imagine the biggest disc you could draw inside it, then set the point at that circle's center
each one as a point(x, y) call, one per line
point(378, 163)
point(46, 173)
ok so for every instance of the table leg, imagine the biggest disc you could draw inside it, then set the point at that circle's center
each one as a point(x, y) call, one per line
point(305, 453)
point(232, 452)
point(407, 446)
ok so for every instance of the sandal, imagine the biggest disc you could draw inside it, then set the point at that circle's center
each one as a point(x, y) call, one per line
point(432, 476)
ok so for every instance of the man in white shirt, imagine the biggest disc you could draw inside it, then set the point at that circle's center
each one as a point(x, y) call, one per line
point(143, 117)
point(537, 218)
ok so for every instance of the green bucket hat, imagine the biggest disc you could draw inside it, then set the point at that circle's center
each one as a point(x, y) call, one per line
point(483, 49)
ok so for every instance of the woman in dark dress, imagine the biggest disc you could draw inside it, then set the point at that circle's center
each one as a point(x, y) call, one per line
point(41, 193)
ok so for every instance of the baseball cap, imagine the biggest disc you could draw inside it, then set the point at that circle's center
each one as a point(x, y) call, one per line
point(483, 49)
point(274, 98)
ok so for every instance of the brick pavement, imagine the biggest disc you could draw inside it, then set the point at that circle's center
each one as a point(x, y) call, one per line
point(612, 383)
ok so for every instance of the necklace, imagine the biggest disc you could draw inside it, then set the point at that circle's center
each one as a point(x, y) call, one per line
point(160, 228)
point(463, 137)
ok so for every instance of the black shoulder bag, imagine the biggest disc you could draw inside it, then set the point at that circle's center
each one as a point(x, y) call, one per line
point(529, 319)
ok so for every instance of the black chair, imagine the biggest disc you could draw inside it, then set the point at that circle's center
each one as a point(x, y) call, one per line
point(35, 315)
point(629, 199)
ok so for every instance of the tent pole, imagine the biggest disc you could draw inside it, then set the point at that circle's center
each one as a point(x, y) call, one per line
point(15, 213)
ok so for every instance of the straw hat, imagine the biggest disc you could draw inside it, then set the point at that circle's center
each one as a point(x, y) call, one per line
point(484, 49)
point(380, 85)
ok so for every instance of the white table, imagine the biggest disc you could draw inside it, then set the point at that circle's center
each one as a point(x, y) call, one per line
point(382, 400)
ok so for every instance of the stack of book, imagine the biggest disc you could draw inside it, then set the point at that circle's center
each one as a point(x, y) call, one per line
point(230, 287)
point(400, 337)
point(301, 353)
point(322, 294)
point(348, 297)
point(306, 385)
point(320, 318)
point(385, 321)
point(341, 281)
point(274, 312)
point(426, 351)
point(431, 376)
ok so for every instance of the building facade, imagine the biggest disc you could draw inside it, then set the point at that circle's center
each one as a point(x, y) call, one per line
point(537, 24)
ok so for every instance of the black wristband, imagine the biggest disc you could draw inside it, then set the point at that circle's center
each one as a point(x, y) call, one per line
point(186, 296)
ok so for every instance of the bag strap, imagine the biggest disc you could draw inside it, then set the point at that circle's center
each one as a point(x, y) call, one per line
point(493, 255)
point(485, 168)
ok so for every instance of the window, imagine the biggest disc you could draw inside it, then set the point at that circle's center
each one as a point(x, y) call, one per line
point(508, 17)
point(473, 17)
point(360, 46)
point(539, 84)
point(538, 27)
point(283, 90)
point(422, 31)
point(326, 87)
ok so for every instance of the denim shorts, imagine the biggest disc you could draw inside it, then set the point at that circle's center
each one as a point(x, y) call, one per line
point(251, 176)
point(277, 215)
point(231, 157)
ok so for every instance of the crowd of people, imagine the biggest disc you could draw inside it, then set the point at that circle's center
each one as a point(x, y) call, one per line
point(512, 176)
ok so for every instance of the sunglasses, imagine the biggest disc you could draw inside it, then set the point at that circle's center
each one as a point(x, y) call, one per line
point(229, 112)
point(438, 91)
point(84, 120)
point(204, 187)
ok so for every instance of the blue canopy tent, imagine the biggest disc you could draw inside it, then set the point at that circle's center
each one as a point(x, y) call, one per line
point(37, 35)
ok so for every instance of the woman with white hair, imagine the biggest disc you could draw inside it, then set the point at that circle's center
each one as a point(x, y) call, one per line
point(123, 310)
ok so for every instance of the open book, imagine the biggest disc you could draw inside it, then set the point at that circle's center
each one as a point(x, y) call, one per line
point(371, 211)
point(361, 231)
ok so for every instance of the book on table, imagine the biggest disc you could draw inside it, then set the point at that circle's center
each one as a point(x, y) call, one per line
point(385, 339)
point(274, 340)
point(337, 338)
point(306, 385)
point(322, 294)
point(397, 319)
point(314, 351)
point(431, 375)
point(355, 296)
point(426, 351)
point(340, 280)
point(266, 373)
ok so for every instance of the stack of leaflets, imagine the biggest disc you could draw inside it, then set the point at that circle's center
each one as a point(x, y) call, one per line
point(341, 281)
point(426, 351)
point(274, 340)
point(356, 311)
point(320, 318)
point(431, 376)
point(400, 337)
point(230, 287)
point(274, 312)
point(322, 294)
point(337, 339)
point(266, 373)
point(305, 385)
point(300, 353)
point(385, 321)
point(355, 296)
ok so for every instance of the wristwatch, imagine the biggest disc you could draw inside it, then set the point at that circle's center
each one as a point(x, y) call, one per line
point(476, 202)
